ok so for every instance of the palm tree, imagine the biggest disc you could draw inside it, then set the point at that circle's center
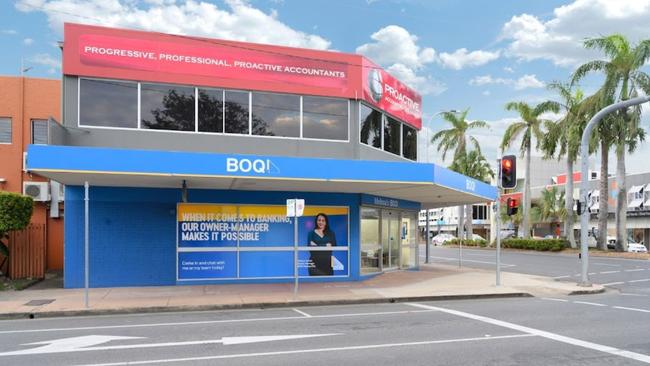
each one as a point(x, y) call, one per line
point(551, 207)
point(474, 165)
point(563, 137)
point(530, 126)
point(456, 139)
point(623, 80)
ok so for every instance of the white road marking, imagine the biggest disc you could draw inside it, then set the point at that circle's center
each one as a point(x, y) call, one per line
point(553, 336)
point(558, 277)
point(68, 345)
point(472, 261)
point(608, 272)
point(633, 309)
point(314, 350)
point(643, 280)
point(553, 299)
point(589, 303)
point(211, 322)
point(613, 283)
point(627, 294)
point(605, 264)
point(635, 270)
point(301, 313)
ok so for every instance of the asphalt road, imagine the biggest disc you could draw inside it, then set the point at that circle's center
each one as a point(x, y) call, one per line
point(627, 277)
point(517, 331)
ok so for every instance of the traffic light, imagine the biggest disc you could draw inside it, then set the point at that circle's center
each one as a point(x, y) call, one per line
point(508, 171)
point(513, 206)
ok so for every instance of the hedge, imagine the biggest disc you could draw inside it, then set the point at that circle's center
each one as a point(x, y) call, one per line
point(543, 245)
point(470, 243)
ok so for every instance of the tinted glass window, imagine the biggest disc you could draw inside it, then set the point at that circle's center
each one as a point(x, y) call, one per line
point(5, 130)
point(276, 114)
point(39, 131)
point(237, 112)
point(324, 118)
point(392, 136)
point(410, 142)
point(167, 107)
point(210, 110)
point(370, 126)
point(108, 103)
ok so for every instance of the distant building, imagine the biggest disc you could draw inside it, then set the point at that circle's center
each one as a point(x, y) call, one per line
point(28, 108)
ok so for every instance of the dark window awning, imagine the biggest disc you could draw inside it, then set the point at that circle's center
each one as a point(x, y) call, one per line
point(428, 184)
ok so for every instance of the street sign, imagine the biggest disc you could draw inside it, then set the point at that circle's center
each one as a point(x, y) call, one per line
point(295, 207)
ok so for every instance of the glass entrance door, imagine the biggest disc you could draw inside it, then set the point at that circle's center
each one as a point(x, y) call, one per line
point(390, 227)
point(408, 230)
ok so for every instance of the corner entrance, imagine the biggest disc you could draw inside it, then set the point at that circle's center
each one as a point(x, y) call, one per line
point(388, 240)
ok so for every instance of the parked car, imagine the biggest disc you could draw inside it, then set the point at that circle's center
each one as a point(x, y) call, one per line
point(477, 237)
point(634, 247)
point(442, 238)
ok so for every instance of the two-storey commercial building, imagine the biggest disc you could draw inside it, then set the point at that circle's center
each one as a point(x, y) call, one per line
point(191, 148)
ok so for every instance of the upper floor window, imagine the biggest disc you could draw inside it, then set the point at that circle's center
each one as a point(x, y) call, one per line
point(237, 104)
point(324, 118)
point(5, 130)
point(210, 110)
point(276, 114)
point(370, 125)
point(409, 142)
point(392, 136)
point(39, 131)
point(167, 107)
point(108, 103)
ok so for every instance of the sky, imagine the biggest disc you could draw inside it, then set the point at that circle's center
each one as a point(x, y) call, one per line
point(458, 54)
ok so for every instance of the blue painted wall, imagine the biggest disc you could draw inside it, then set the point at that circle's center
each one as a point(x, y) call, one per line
point(133, 238)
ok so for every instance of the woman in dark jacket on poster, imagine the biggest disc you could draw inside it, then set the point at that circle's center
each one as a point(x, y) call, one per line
point(321, 236)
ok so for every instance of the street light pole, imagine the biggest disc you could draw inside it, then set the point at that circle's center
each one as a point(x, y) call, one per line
point(584, 183)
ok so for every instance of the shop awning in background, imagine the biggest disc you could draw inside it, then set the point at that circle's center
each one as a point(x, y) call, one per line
point(429, 184)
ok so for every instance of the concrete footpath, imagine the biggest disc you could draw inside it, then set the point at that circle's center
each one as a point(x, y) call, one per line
point(431, 282)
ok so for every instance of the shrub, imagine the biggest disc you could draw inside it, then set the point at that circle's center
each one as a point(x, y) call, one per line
point(543, 245)
point(15, 213)
point(470, 243)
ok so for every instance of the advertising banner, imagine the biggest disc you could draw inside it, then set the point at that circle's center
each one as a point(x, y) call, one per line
point(385, 92)
point(155, 57)
point(221, 241)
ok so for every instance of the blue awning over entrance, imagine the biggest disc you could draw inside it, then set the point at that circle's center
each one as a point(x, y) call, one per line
point(429, 184)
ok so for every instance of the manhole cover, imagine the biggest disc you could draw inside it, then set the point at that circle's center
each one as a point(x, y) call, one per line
point(39, 302)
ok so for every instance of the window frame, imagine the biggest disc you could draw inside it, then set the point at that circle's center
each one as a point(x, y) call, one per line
point(47, 130)
point(11, 131)
point(79, 78)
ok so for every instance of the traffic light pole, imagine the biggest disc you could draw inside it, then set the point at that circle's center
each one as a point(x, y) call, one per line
point(498, 223)
point(584, 183)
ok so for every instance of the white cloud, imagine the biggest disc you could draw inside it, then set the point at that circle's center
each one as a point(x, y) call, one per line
point(237, 21)
point(47, 60)
point(487, 93)
point(508, 69)
point(461, 58)
point(28, 41)
point(560, 39)
point(524, 82)
point(395, 45)
point(528, 81)
point(10, 32)
point(394, 48)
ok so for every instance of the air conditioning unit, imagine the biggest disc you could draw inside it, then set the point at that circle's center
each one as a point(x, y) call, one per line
point(39, 191)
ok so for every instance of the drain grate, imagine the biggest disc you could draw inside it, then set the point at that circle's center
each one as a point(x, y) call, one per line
point(39, 302)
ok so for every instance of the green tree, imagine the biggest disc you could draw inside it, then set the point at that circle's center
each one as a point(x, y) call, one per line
point(563, 138)
point(15, 213)
point(474, 165)
point(551, 207)
point(456, 138)
point(623, 80)
point(529, 127)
